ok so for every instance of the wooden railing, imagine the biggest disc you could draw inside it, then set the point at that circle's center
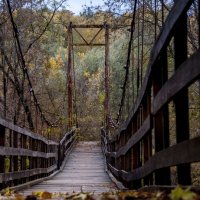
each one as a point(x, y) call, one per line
point(65, 146)
point(26, 156)
point(141, 154)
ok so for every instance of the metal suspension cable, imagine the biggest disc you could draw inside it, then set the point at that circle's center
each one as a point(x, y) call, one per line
point(133, 72)
point(155, 18)
point(142, 50)
point(23, 63)
point(199, 24)
point(138, 51)
point(128, 62)
point(162, 11)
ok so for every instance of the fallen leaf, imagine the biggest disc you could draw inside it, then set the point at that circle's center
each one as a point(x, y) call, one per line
point(182, 194)
point(46, 195)
point(19, 197)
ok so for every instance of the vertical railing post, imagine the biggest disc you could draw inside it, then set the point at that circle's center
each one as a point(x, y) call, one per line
point(15, 158)
point(181, 99)
point(59, 156)
point(2, 158)
point(11, 157)
point(148, 138)
point(161, 121)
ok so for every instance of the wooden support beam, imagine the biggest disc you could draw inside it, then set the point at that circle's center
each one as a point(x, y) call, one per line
point(2, 157)
point(79, 35)
point(161, 122)
point(95, 35)
point(69, 77)
point(84, 44)
point(107, 79)
point(99, 26)
point(88, 26)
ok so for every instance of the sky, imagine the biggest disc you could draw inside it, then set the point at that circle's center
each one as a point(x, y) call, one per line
point(76, 5)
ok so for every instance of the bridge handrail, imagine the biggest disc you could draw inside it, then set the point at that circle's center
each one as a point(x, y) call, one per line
point(158, 161)
point(65, 146)
point(26, 156)
point(8, 124)
point(141, 154)
point(161, 43)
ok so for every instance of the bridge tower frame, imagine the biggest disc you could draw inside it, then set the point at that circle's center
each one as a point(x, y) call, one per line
point(72, 27)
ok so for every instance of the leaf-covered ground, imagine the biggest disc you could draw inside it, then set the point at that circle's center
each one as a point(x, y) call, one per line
point(176, 194)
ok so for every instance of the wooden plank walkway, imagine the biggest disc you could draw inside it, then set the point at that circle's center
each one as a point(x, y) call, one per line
point(84, 171)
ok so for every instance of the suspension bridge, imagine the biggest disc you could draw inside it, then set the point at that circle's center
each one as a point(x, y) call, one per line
point(140, 154)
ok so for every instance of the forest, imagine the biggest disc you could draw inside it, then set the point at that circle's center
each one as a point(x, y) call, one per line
point(34, 54)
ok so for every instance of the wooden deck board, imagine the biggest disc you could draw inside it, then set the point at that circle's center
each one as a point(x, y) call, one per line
point(84, 171)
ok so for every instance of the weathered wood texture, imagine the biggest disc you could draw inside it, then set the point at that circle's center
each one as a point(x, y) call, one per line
point(26, 156)
point(140, 153)
point(84, 171)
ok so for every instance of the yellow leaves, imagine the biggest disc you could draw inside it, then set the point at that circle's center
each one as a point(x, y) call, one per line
point(81, 55)
point(7, 163)
point(78, 133)
point(79, 196)
point(86, 74)
point(43, 194)
point(71, 196)
point(46, 195)
point(182, 194)
point(27, 162)
point(176, 194)
point(52, 63)
point(37, 193)
point(10, 195)
point(101, 98)
point(55, 63)
point(8, 192)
